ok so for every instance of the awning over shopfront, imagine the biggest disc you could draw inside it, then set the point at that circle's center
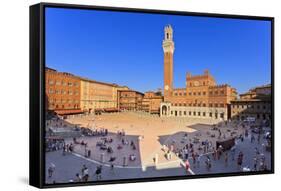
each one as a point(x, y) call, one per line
point(68, 111)
point(111, 109)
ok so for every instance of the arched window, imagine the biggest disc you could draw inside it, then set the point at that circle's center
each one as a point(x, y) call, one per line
point(167, 35)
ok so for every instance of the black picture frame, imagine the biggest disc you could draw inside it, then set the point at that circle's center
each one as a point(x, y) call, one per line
point(37, 92)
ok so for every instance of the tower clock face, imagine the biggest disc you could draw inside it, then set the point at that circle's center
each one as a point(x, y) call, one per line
point(166, 87)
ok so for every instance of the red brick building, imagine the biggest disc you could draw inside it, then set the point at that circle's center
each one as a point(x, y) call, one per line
point(151, 102)
point(130, 100)
point(254, 104)
point(62, 92)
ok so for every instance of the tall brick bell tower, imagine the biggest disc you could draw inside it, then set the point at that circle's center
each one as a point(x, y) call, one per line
point(168, 48)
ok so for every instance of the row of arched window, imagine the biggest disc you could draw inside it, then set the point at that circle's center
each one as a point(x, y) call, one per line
point(197, 114)
point(199, 104)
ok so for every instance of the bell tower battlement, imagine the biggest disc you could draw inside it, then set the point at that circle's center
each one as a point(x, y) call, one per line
point(168, 43)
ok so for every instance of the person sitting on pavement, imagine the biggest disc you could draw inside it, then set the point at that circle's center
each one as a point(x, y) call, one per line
point(119, 147)
point(109, 150)
point(132, 157)
point(112, 159)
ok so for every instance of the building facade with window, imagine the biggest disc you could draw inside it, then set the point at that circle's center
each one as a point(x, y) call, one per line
point(254, 104)
point(200, 98)
point(97, 95)
point(62, 92)
point(151, 102)
point(130, 100)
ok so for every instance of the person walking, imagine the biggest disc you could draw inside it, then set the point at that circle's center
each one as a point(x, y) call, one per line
point(156, 159)
point(259, 138)
point(98, 172)
point(112, 166)
point(85, 173)
point(198, 160)
point(63, 149)
point(185, 152)
point(51, 170)
point(193, 158)
point(252, 138)
point(78, 177)
point(208, 163)
point(240, 160)
point(124, 161)
point(187, 166)
point(226, 159)
point(255, 163)
point(233, 150)
point(215, 152)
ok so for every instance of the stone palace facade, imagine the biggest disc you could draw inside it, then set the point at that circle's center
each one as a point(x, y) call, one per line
point(201, 98)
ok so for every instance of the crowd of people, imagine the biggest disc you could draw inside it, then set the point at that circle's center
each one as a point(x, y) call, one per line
point(85, 174)
point(200, 149)
point(94, 132)
point(104, 143)
point(211, 151)
point(54, 144)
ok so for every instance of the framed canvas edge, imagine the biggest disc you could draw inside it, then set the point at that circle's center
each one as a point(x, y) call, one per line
point(37, 155)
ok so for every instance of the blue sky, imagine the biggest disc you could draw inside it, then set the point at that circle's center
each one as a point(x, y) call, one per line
point(126, 48)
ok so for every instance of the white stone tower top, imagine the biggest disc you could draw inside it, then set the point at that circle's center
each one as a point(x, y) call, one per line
point(168, 43)
point(168, 32)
